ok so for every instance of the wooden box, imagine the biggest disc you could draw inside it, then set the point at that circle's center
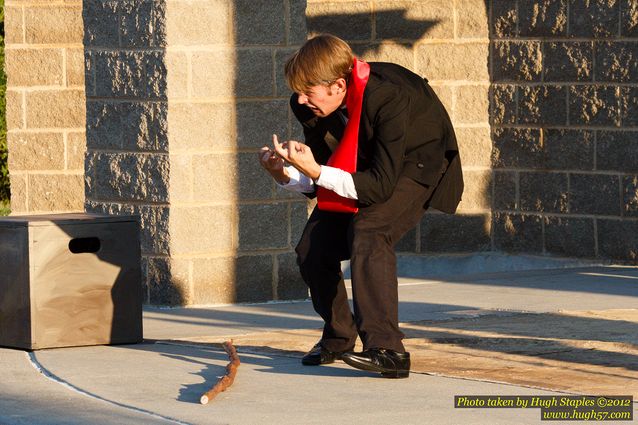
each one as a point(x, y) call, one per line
point(69, 280)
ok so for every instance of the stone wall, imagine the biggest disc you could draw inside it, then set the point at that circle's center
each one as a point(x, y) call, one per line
point(177, 97)
point(448, 43)
point(564, 116)
point(45, 105)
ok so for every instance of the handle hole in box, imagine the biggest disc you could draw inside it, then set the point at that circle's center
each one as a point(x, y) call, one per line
point(83, 245)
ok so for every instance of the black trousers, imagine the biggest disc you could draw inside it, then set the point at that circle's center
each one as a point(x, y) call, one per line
point(367, 238)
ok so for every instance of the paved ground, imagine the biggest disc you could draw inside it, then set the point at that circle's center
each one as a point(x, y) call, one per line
point(160, 382)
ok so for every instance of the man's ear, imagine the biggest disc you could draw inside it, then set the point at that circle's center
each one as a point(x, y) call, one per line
point(340, 85)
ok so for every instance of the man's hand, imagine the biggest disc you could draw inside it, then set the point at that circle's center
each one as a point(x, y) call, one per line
point(299, 156)
point(273, 164)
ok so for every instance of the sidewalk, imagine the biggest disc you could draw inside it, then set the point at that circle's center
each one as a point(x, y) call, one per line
point(161, 380)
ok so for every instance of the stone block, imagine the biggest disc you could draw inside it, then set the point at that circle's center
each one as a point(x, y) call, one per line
point(156, 73)
point(594, 105)
point(555, 149)
point(281, 85)
point(177, 64)
point(543, 192)
point(182, 178)
point(593, 19)
point(472, 19)
point(630, 195)
point(132, 177)
point(351, 21)
point(89, 74)
point(260, 22)
point(617, 61)
point(407, 243)
point(629, 106)
point(618, 239)
point(34, 67)
point(13, 25)
point(263, 226)
point(504, 104)
point(568, 61)
point(290, 285)
point(258, 121)
point(446, 94)
point(254, 183)
point(104, 127)
point(455, 233)
point(542, 18)
point(597, 194)
point(477, 193)
point(199, 23)
point(470, 61)
point(35, 151)
point(505, 190)
point(75, 73)
point(472, 105)
point(299, 213)
point(202, 229)
point(75, 150)
point(254, 73)
point(202, 126)
point(18, 184)
point(297, 30)
point(517, 232)
point(516, 60)
point(629, 18)
point(617, 151)
point(168, 282)
point(542, 105)
point(475, 145)
point(224, 63)
point(53, 24)
point(214, 280)
point(215, 177)
point(15, 110)
point(143, 23)
point(144, 126)
point(386, 51)
point(254, 278)
point(56, 109)
point(119, 74)
point(56, 193)
point(101, 23)
point(504, 19)
point(413, 20)
point(570, 237)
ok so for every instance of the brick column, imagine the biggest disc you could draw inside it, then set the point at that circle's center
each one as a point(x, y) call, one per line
point(181, 95)
point(45, 105)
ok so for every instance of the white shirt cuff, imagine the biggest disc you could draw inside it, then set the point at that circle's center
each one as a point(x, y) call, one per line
point(338, 181)
point(298, 182)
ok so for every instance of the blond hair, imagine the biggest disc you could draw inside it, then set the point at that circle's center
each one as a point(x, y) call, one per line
point(320, 61)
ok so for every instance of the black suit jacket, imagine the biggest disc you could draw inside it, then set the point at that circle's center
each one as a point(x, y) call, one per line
point(404, 131)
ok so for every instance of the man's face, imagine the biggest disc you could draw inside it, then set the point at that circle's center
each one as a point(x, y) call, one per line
point(323, 100)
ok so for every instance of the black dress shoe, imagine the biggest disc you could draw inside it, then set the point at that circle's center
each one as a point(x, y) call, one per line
point(389, 363)
point(318, 355)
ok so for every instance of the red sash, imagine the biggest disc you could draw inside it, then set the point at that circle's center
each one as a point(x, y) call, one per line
point(345, 155)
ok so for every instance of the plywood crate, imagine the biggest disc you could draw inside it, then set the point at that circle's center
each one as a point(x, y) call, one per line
point(69, 280)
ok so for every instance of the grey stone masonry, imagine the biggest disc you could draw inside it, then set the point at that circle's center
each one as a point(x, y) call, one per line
point(563, 110)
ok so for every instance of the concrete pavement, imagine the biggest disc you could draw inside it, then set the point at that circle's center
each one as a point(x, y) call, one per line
point(161, 382)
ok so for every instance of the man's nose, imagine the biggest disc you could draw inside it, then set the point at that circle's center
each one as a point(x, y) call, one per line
point(302, 99)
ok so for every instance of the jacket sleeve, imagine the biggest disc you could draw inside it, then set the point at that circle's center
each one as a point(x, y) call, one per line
point(388, 109)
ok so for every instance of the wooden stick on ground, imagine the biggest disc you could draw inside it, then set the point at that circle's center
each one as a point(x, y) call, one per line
point(226, 380)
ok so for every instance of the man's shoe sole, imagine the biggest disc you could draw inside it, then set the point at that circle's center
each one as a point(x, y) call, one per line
point(386, 373)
